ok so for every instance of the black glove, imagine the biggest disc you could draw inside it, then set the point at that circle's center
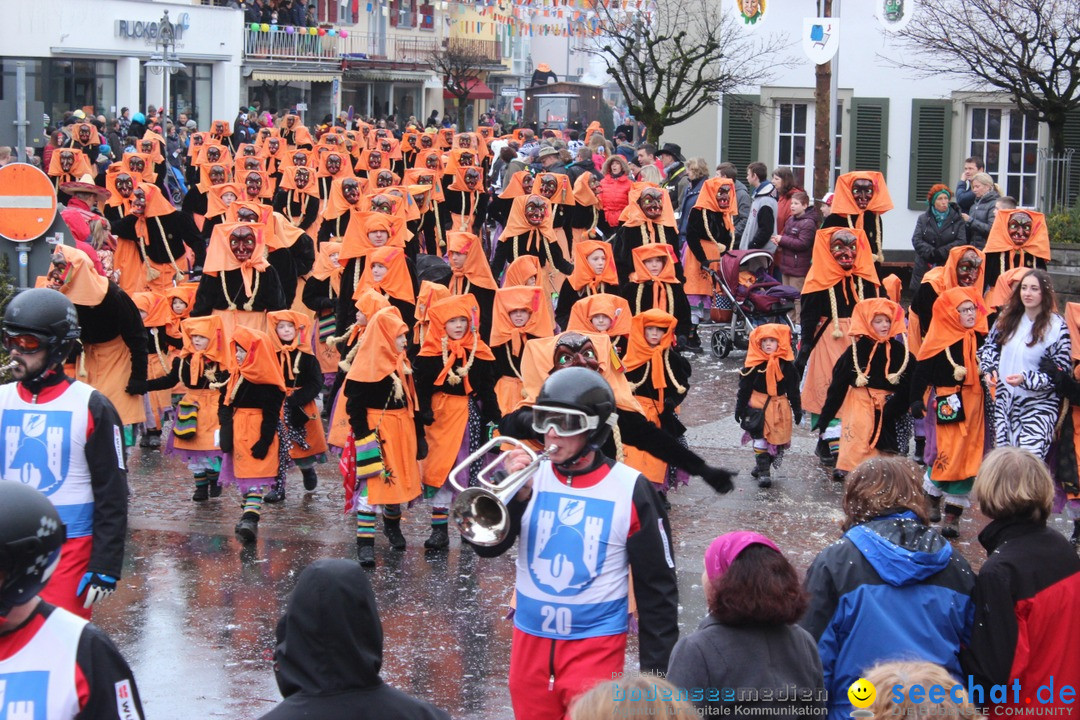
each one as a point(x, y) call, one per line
point(1058, 375)
point(421, 447)
point(428, 418)
point(800, 363)
point(718, 479)
point(918, 409)
point(681, 341)
point(298, 419)
point(136, 386)
point(225, 438)
point(796, 416)
point(260, 449)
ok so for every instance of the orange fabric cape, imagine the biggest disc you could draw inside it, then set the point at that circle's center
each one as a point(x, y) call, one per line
point(430, 293)
point(211, 328)
point(633, 216)
point(707, 200)
point(155, 306)
point(83, 286)
point(825, 272)
point(945, 329)
point(613, 306)
point(583, 275)
point(943, 277)
point(540, 322)
point(1038, 243)
point(260, 367)
point(756, 356)
point(515, 187)
point(844, 200)
point(219, 256)
point(381, 358)
point(583, 194)
point(397, 283)
point(639, 352)
point(519, 271)
point(325, 268)
point(516, 224)
point(355, 244)
point(537, 364)
point(476, 270)
point(468, 345)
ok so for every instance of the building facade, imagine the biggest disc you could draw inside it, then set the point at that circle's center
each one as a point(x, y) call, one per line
point(916, 130)
point(94, 56)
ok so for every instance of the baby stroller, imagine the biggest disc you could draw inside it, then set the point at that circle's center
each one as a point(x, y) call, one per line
point(746, 295)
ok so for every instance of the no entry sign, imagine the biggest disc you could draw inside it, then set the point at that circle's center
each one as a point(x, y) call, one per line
point(27, 202)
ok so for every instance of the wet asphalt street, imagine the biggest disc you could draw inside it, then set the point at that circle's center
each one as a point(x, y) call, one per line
point(195, 616)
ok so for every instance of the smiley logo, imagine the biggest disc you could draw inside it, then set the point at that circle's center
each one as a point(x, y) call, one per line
point(862, 693)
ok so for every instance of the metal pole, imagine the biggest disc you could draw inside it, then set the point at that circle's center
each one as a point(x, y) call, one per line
point(20, 112)
point(834, 98)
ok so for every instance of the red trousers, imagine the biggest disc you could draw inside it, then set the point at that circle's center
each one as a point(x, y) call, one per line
point(74, 560)
point(575, 665)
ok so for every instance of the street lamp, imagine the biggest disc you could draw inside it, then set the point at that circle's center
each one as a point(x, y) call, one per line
point(165, 63)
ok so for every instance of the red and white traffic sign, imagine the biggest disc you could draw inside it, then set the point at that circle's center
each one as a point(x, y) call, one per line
point(518, 104)
point(27, 202)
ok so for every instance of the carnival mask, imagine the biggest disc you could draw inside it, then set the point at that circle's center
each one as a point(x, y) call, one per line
point(301, 178)
point(84, 134)
point(576, 350)
point(465, 159)
point(146, 146)
point(1020, 227)
point(426, 141)
point(527, 182)
point(249, 151)
point(651, 202)
point(245, 214)
point(252, 163)
point(300, 159)
point(472, 178)
point(217, 174)
point(374, 160)
point(548, 185)
point(535, 211)
point(242, 243)
point(333, 164)
point(253, 184)
point(385, 178)
point(967, 269)
point(138, 201)
point(274, 144)
point(124, 185)
point(723, 197)
point(842, 246)
point(351, 190)
point(863, 192)
point(67, 159)
point(382, 204)
point(137, 164)
point(213, 153)
point(431, 162)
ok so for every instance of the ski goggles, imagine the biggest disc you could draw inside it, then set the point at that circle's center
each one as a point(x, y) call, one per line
point(564, 421)
point(23, 342)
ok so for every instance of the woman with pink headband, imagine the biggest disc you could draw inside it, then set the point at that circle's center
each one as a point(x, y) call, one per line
point(749, 639)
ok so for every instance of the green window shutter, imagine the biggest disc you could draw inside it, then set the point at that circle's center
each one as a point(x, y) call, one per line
point(931, 146)
point(739, 138)
point(1072, 140)
point(869, 135)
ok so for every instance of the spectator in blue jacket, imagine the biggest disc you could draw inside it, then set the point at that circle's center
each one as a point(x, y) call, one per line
point(965, 196)
point(891, 589)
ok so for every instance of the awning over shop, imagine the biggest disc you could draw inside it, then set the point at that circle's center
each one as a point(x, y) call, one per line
point(478, 90)
point(405, 76)
point(265, 75)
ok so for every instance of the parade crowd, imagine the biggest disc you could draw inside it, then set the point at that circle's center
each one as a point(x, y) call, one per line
point(372, 305)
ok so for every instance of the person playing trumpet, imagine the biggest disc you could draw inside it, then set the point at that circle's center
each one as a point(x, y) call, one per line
point(584, 521)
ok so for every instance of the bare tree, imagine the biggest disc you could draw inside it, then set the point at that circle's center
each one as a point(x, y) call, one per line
point(460, 68)
point(1027, 48)
point(677, 59)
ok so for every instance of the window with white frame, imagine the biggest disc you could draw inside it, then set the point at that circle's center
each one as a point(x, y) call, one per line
point(792, 140)
point(1008, 142)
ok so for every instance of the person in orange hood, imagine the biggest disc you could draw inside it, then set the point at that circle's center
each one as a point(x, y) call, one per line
point(660, 379)
point(768, 383)
point(388, 438)
point(594, 273)
point(200, 369)
point(860, 200)
point(869, 385)
point(250, 407)
point(303, 440)
point(455, 386)
point(520, 314)
point(947, 387)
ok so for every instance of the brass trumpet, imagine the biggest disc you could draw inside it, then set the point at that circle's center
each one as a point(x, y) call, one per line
point(480, 512)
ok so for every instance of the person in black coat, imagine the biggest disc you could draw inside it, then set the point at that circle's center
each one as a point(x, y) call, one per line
point(329, 651)
point(1028, 590)
point(937, 231)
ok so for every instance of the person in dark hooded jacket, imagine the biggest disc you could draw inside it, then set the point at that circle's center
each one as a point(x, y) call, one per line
point(891, 588)
point(329, 651)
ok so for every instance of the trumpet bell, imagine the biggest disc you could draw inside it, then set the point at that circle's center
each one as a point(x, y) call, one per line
point(481, 517)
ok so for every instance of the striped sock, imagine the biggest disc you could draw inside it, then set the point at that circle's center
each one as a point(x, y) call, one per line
point(212, 477)
point(253, 503)
point(200, 479)
point(834, 446)
point(760, 451)
point(439, 516)
point(392, 512)
point(365, 525)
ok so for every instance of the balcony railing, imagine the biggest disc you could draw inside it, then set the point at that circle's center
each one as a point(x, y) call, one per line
point(392, 48)
point(297, 46)
point(488, 49)
point(301, 46)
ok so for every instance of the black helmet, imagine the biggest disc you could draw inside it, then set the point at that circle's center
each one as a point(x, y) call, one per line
point(584, 392)
point(48, 315)
point(31, 534)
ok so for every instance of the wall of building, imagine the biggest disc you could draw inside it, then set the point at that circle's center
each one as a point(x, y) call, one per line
point(122, 31)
